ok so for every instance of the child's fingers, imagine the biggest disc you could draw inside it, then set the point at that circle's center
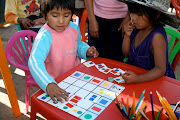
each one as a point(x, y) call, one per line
point(64, 94)
point(52, 97)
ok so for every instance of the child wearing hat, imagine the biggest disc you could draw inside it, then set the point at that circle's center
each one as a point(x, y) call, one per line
point(145, 42)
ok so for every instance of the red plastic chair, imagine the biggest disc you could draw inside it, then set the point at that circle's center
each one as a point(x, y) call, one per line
point(82, 25)
point(176, 4)
point(17, 52)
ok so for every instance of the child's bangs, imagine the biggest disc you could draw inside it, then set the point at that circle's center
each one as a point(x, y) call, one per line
point(62, 4)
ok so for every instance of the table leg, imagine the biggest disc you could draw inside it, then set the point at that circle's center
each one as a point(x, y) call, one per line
point(33, 110)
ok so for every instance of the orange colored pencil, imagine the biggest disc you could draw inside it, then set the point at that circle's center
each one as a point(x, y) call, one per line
point(127, 105)
point(133, 103)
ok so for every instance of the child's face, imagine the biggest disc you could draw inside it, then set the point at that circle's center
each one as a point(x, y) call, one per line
point(140, 21)
point(58, 19)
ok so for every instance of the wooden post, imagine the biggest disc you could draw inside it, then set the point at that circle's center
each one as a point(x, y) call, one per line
point(6, 75)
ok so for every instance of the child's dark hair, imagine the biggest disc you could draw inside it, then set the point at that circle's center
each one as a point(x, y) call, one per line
point(47, 5)
point(150, 13)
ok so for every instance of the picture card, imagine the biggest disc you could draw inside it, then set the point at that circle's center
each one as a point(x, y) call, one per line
point(104, 70)
point(99, 66)
point(115, 71)
point(89, 63)
point(119, 79)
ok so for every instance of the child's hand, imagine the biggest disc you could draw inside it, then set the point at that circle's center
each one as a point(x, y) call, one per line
point(130, 77)
point(128, 28)
point(92, 52)
point(53, 90)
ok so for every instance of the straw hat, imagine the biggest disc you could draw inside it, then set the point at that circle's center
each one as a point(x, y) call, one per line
point(160, 5)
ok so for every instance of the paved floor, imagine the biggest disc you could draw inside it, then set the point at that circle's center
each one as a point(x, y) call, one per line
point(19, 83)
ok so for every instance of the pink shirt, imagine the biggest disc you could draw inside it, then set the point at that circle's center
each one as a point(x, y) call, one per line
point(110, 9)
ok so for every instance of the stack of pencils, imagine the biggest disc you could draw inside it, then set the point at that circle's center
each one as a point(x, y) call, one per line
point(135, 111)
point(167, 107)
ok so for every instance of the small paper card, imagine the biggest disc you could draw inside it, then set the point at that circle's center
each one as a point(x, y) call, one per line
point(119, 79)
point(89, 64)
point(99, 66)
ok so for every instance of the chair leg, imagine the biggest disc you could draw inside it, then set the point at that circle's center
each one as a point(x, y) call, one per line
point(27, 97)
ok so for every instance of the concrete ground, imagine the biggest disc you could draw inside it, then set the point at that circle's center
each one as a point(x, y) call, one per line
point(19, 83)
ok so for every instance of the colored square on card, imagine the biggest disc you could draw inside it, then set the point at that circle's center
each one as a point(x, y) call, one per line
point(77, 97)
point(44, 97)
point(96, 81)
point(77, 74)
point(69, 105)
point(74, 100)
point(104, 101)
point(97, 109)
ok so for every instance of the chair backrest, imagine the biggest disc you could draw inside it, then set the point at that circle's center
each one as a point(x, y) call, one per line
point(176, 4)
point(19, 47)
point(82, 25)
point(174, 44)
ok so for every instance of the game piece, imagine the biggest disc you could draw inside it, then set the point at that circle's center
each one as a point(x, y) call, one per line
point(110, 79)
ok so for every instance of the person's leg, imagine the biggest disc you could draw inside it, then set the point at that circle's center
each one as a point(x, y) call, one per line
point(113, 39)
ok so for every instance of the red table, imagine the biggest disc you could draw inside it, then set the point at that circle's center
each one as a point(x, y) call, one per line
point(167, 87)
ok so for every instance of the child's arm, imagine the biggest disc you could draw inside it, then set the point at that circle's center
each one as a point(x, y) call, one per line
point(128, 28)
point(159, 50)
point(37, 67)
point(93, 24)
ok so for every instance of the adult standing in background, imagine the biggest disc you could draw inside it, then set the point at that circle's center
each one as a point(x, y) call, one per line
point(106, 19)
point(23, 12)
